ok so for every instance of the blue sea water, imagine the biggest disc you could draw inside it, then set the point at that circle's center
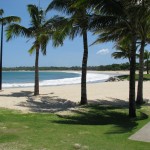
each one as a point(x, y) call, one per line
point(26, 79)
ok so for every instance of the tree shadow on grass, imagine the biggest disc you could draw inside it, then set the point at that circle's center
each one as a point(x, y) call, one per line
point(103, 115)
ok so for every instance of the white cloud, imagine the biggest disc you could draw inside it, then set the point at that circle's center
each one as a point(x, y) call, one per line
point(103, 51)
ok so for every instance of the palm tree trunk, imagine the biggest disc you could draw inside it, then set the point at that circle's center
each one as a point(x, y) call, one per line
point(36, 86)
point(1, 55)
point(139, 99)
point(132, 107)
point(84, 70)
point(147, 66)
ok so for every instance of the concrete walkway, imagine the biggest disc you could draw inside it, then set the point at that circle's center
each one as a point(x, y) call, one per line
point(142, 135)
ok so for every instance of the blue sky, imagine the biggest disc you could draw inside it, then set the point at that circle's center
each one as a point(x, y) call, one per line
point(15, 52)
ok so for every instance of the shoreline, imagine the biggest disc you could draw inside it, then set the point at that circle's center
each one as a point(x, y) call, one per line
point(123, 72)
point(59, 98)
point(64, 97)
point(92, 77)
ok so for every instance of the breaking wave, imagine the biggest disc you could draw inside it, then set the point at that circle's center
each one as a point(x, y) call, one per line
point(91, 77)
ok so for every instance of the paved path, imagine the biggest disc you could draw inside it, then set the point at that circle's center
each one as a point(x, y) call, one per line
point(142, 135)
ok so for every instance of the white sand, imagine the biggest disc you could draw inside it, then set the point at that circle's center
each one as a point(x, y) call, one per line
point(54, 98)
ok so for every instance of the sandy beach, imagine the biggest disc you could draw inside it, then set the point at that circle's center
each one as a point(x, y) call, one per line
point(57, 98)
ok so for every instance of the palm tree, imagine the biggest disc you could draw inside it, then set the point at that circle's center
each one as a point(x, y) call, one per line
point(147, 59)
point(41, 31)
point(4, 21)
point(121, 53)
point(77, 25)
point(143, 30)
point(123, 50)
point(121, 22)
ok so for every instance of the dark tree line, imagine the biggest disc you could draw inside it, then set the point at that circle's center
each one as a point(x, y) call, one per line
point(112, 67)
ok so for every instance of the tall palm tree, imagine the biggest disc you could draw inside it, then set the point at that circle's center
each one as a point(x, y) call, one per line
point(143, 31)
point(122, 21)
point(4, 21)
point(77, 25)
point(41, 31)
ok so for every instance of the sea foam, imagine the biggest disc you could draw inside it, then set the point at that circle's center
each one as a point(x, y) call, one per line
point(91, 77)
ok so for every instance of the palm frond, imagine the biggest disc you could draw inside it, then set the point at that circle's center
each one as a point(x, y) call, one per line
point(43, 40)
point(107, 7)
point(1, 12)
point(61, 5)
point(32, 49)
point(99, 22)
point(10, 19)
point(119, 54)
point(146, 54)
point(62, 27)
point(36, 15)
point(15, 30)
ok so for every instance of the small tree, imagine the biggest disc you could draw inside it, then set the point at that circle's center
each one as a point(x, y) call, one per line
point(123, 50)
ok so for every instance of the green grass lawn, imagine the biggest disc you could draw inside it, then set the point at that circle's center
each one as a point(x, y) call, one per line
point(126, 77)
point(95, 128)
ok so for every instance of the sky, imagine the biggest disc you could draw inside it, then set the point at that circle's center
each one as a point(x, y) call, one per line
point(15, 52)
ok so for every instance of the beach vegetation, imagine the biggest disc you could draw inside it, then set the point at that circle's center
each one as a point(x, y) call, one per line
point(123, 23)
point(77, 25)
point(146, 77)
point(91, 127)
point(143, 33)
point(122, 50)
point(41, 30)
point(111, 67)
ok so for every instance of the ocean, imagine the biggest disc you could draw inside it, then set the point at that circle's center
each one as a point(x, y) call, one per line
point(26, 78)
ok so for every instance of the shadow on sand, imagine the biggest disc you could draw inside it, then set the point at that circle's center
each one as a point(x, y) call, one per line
point(42, 102)
point(18, 94)
point(47, 104)
point(98, 112)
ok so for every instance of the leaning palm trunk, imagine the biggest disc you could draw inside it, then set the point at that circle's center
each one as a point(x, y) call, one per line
point(132, 107)
point(36, 86)
point(139, 99)
point(84, 70)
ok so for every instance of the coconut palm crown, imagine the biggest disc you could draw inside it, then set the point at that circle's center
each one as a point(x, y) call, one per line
point(40, 30)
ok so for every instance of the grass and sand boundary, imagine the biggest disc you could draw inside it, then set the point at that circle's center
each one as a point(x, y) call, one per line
point(92, 127)
point(52, 98)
